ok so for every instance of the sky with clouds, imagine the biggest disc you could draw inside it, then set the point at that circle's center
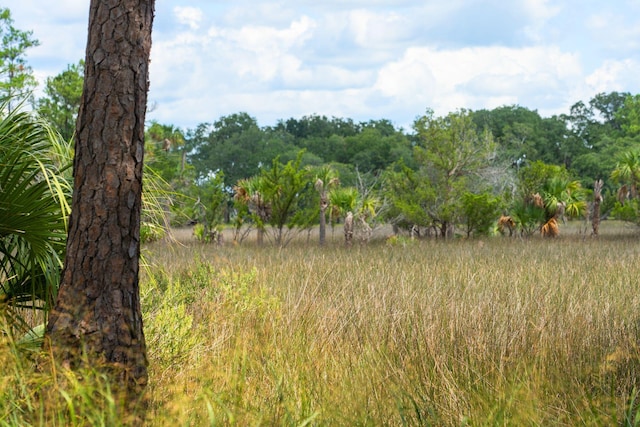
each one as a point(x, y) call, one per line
point(361, 59)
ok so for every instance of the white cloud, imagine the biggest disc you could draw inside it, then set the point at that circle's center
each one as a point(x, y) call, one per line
point(476, 77)
point(190, 16)
point(540, 12)
point(613, 32)
point(614, 76)
point(373, 29)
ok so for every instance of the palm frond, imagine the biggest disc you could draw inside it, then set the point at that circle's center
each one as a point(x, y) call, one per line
point(34, 206)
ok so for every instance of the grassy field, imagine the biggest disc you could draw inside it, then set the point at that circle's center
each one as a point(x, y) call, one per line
point(485, 332)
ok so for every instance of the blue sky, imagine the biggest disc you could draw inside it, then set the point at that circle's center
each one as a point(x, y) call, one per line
point(362, 59)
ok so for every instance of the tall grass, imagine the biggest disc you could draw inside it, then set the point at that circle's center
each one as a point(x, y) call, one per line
point(492, 332)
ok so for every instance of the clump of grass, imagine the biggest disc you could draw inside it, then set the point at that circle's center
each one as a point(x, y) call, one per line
point(34, 391)
point(502, 331)
point(445, 334)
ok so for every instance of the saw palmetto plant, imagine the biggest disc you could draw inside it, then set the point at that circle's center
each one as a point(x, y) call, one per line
point(34, 204)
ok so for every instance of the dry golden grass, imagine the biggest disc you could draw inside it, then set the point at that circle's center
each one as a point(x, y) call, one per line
point(499, 331)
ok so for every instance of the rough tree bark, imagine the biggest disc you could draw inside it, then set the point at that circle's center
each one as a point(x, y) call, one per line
point(98, 304)
point(597, 200)
point(348, 229)
point(324, 204)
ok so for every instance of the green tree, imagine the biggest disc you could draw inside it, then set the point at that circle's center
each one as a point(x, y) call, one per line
point(626, 176)
point(628, 116)
point(450, 151)
point(408, 196)
point(595, 136)
point(237, 146)
point(533, 177)
point(16, 76)
point(252, 208)
point(371, 150)
point(627, 171)
point(286, 187)
point(168, 153)
point(517, 132)
point(62, 101)
point(605, 107)
point(210, 206)
point(479, 212)
point(564, 196)
point(527, 215)
point(341, 201)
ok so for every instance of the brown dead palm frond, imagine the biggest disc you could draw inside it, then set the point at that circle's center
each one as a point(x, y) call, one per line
point(506, 223)
point(550, 228)
point(537, 201)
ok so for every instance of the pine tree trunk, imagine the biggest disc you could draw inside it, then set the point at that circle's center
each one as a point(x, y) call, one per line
point(98, 304)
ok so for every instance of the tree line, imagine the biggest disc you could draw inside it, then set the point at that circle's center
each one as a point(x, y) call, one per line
point(441, 174)
point(435, 176)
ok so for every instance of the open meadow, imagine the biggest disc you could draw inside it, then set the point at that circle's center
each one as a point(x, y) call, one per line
point(493, 331)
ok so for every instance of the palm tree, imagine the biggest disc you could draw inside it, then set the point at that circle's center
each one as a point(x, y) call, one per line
point(34, 205)
point(563, 196)
point(251, 204)
point(627, 175)
point(341, 201)
point(326, 179)
point(560, 197)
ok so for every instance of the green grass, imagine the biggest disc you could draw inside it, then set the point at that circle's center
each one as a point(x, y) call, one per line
point(479, 332)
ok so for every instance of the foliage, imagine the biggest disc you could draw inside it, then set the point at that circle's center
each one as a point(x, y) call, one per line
point(16, 76)
point(558, 191)
point(629, 211)
point(165, 154)
point(34, 205)
point(545, 192)
point(150, 232)
point(210, 206)
point(533, 177)
point(626, 176)
point(516, 129)
point(450, 152)
point(285, 187)
point(61, 102)
point(528, 216)
point(480, 212)
point(252, 208)
point(341, 201)
point(627, 171)
point(325, 180)
point(237, 146)
point(628, 115)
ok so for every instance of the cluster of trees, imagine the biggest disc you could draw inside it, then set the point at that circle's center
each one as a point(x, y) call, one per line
point(457, 172)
